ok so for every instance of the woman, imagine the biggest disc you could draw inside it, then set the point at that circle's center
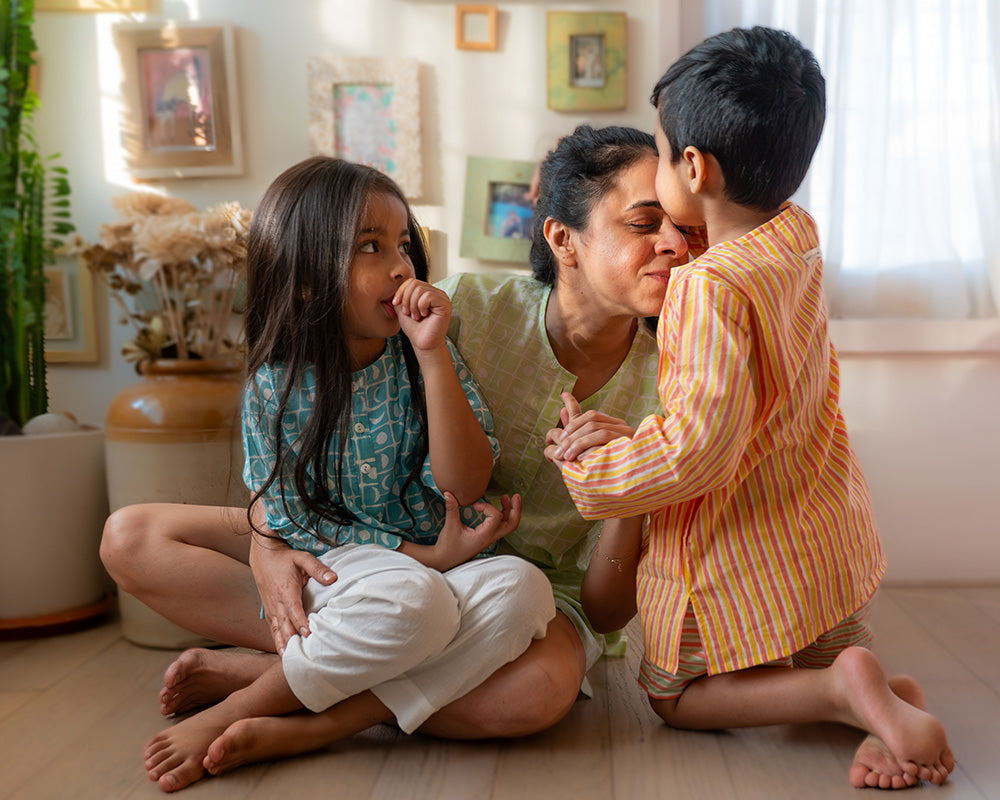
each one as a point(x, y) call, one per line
point(601, 251)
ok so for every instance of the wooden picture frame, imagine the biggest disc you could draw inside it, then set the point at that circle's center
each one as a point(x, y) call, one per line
point(367, 110)
point(70, 324)
point(586, 60)
point(497, 216)
point(476, 27)
point(181, 100)
point(118, 6)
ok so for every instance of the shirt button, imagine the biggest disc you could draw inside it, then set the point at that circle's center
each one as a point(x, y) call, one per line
point(359, 428)
point(366, 468)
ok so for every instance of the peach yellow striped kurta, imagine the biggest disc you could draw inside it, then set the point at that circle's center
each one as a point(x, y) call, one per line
point(760, 515)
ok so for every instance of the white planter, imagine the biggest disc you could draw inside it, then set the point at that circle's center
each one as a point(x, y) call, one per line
point(53, 504)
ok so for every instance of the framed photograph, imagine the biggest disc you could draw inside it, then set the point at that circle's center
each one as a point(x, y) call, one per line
point(367, 110)
point(181, 102)
point(70, 326)
point(475, 27)
point(586, 61)
point(92, 5)
point(497, 216)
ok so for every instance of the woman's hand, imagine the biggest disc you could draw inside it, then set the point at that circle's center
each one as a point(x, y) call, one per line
point(424, 312)
point(281, 573)
point(582, 431)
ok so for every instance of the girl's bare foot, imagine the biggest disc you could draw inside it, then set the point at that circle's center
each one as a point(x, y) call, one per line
point(173, 758)
point(248, 741)
point(202, 677)
point(906, 734)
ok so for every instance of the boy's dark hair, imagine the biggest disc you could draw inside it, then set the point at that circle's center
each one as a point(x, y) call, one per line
point(574, 176)
point(756, 100)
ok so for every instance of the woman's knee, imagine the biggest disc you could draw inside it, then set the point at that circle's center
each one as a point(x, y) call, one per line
point(520, 596)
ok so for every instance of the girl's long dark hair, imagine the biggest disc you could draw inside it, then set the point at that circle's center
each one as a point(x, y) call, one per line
point(299, 254)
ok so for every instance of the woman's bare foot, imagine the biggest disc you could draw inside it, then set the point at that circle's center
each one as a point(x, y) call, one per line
point(910, 745)
point(202, 677)
point(173, 758)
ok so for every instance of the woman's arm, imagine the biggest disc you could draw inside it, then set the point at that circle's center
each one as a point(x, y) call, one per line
point(460, 453)
point(608, 591)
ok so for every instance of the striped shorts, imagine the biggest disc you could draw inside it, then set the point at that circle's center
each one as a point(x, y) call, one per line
point(659, 684)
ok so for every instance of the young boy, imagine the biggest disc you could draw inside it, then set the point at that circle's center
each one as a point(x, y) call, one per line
point(762, 555)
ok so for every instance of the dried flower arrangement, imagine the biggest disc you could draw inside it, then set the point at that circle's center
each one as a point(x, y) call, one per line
point(176, 273)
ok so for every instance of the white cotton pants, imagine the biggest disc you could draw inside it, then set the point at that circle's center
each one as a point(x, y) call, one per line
point(416, 637)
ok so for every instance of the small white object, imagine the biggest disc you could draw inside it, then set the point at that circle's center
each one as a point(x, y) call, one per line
point(51, 423)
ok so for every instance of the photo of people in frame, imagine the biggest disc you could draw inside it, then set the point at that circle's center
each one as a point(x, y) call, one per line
point(586, 60)
point(509, 211)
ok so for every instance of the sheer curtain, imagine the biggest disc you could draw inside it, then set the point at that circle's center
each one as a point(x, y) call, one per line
point(905, 184)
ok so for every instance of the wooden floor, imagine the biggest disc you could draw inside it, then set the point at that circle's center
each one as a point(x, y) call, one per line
point(76, 709)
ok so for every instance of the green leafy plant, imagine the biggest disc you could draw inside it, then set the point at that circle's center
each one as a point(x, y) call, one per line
point(34, 215)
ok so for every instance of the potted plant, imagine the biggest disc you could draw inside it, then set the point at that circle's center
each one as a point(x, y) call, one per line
point(176, 274)
point(53, 494)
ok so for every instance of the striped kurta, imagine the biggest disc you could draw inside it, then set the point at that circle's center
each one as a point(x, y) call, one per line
point(760, 515)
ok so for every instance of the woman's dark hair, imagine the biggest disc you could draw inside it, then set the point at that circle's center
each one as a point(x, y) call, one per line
point(582, 168)
point(301, 246)
point(756, 100)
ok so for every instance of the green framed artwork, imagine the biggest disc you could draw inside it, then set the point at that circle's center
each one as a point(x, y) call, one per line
point(497, 215)
point(586, 60)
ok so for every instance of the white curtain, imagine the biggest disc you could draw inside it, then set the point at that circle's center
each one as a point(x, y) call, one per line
point(905, 184)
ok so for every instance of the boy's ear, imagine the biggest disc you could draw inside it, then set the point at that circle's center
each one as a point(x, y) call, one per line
point(560, 239)
point(696, 167)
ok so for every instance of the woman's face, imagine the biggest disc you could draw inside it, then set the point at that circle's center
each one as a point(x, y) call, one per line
point(625, 254)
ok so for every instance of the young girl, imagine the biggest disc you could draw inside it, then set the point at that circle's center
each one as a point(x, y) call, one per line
point(364, 433)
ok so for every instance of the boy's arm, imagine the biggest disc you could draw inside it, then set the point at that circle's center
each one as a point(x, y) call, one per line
point(608, 591)
point(461, 454)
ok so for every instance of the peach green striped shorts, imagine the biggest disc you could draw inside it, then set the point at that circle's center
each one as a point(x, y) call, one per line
point(659, 684)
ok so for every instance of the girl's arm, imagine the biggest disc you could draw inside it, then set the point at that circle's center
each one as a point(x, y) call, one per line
point(460, 453)
point(608, 591)
point(457, 543)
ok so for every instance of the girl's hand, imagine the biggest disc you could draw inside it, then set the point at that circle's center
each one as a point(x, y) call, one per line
point(281, 573)
point(582, 431)
point(457, 542)
point(423, 312)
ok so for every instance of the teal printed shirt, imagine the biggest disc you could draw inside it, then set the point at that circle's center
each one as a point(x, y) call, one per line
point(380, 454)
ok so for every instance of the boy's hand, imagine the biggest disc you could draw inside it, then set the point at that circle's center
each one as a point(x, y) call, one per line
point(423, 312)
point(581, 431)
point(457, 542)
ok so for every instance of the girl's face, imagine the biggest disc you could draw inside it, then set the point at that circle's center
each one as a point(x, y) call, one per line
point(381, 263)
point(625, 254)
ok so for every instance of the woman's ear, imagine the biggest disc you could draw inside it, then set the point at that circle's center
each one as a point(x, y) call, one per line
point(560, 239)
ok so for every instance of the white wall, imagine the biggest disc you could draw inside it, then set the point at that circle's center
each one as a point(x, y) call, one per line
point(924, 424)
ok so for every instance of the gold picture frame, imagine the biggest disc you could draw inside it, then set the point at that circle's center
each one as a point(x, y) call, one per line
point(70, 324)
point(587, 60)
point(181, 101)
point(476, 27)
point(119, 6)
point(497, 214)
point(367, 110)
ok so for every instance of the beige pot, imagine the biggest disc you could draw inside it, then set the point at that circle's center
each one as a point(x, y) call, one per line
point(174, 437)
point(53, 504)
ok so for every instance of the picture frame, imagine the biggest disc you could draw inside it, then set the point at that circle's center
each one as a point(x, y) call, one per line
point(586, 60)
point(367, 110)
point(70, 323)
point(92, 5)
point(181, 100)
point(476, 27)
point(497, 216)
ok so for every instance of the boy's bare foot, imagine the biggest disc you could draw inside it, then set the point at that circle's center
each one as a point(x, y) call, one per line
point(248, 741)
point(173, 758)
point(907, 734)
point(202, 677)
